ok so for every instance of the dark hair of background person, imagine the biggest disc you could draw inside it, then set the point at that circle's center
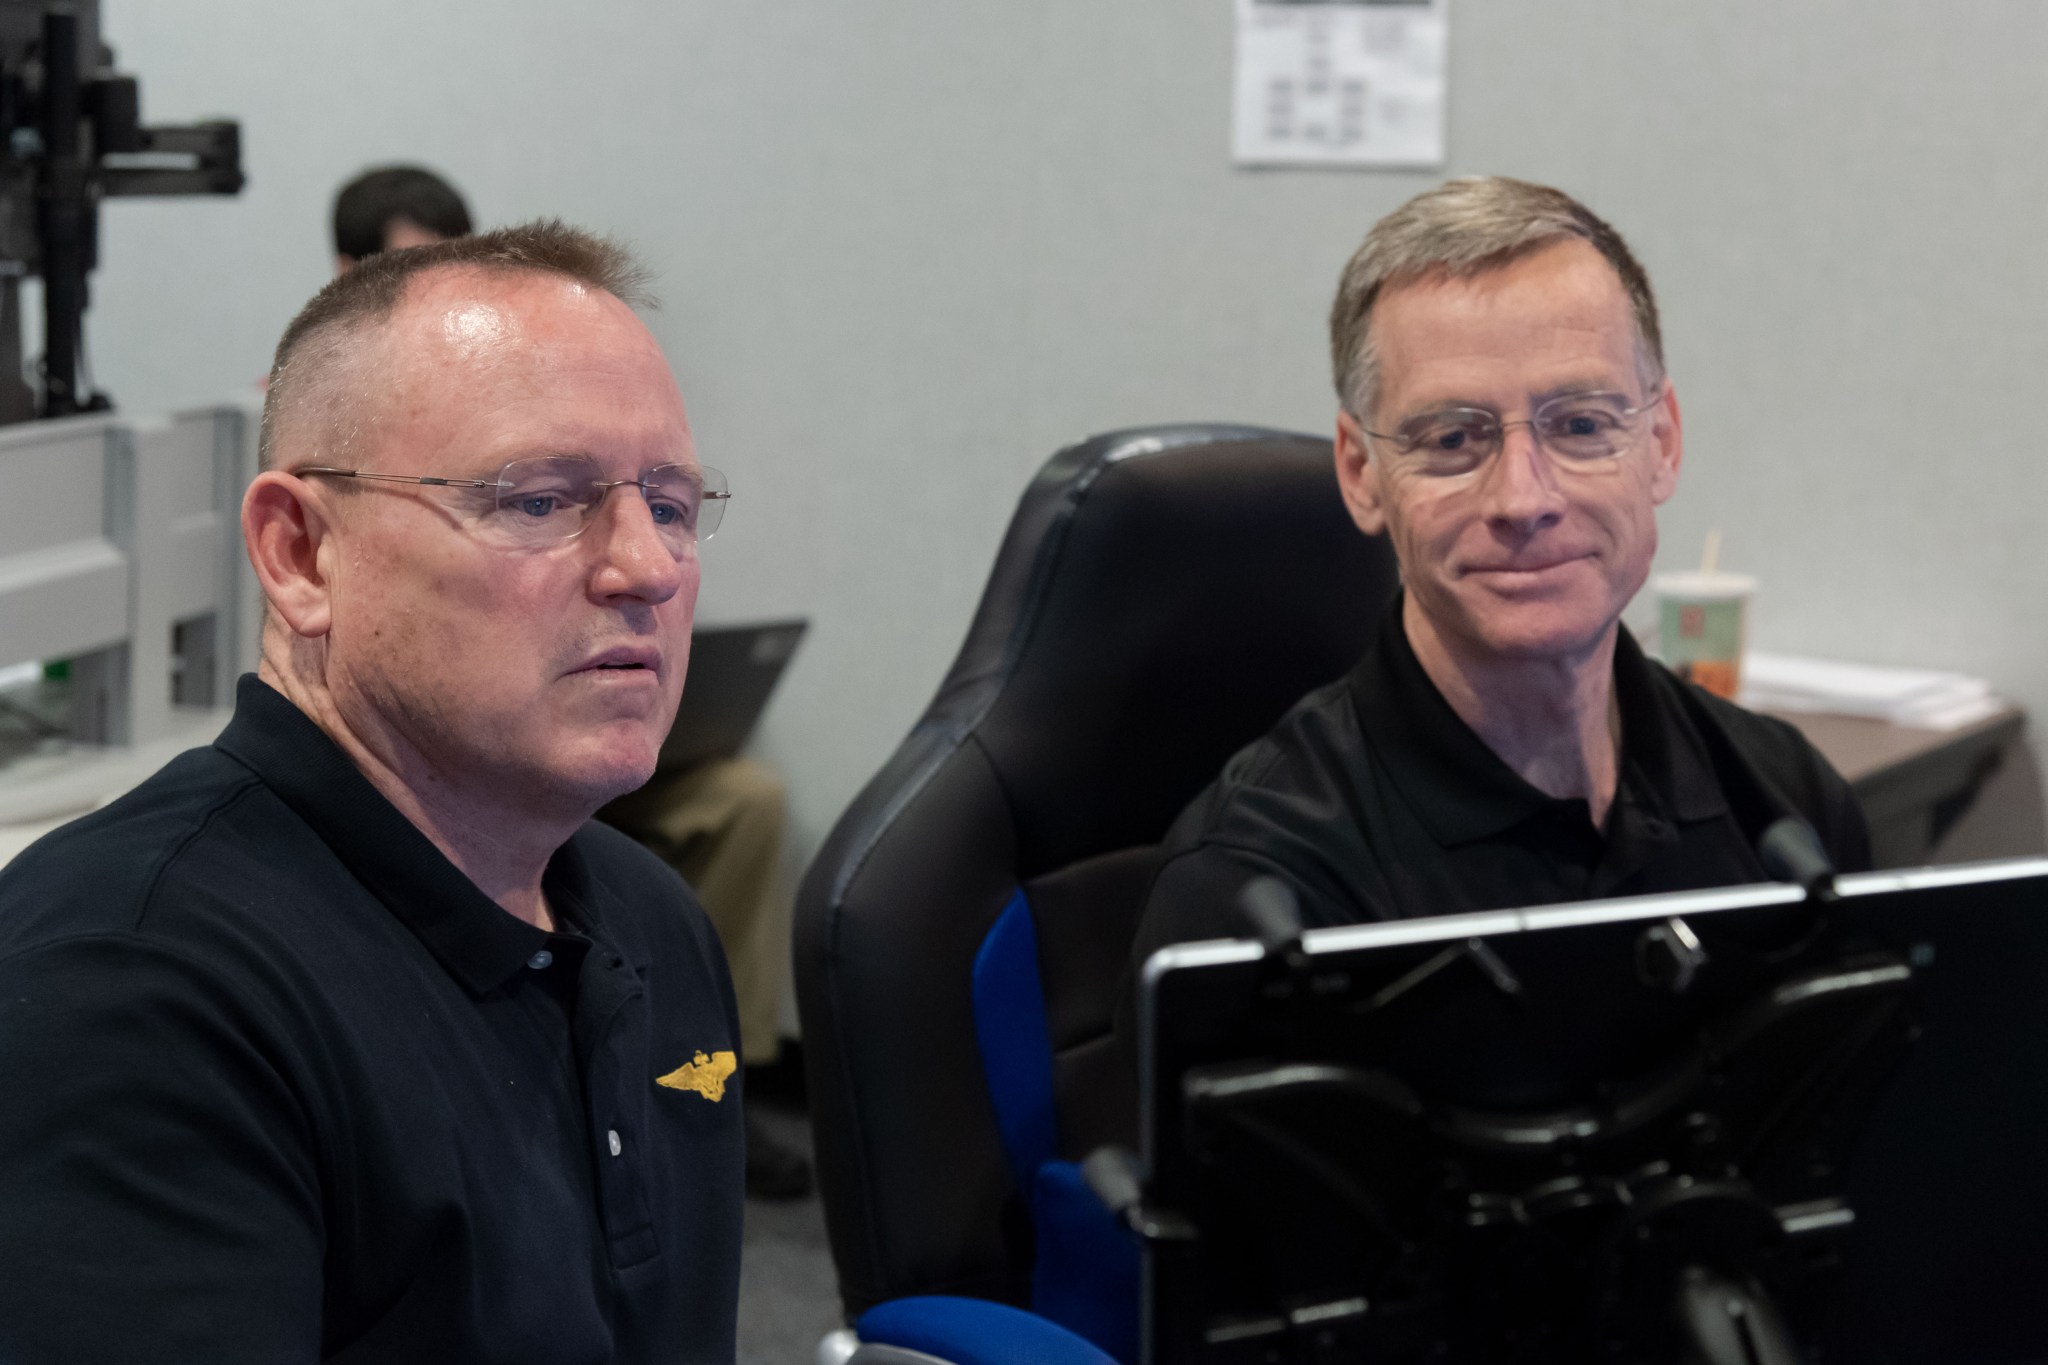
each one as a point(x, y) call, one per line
point(367, 204)
point(313, 345)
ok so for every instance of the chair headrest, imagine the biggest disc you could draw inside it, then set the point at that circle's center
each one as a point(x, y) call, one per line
point(1162, 596)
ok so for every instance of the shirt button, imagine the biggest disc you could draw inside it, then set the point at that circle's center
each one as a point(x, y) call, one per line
point(541, 960)
point(612, 1136)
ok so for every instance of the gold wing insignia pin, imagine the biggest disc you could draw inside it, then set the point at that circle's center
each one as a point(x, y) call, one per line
point(705, 1075)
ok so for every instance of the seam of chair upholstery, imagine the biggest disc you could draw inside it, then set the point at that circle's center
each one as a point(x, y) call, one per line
point(995, 778)
point(945, 740)
point(856, 1128)
point(944, 743)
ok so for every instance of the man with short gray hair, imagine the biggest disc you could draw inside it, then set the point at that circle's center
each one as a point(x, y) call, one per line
point(350, 1036)
point(1506, 422)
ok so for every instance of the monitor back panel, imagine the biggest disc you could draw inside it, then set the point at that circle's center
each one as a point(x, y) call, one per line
point(1546, 1013)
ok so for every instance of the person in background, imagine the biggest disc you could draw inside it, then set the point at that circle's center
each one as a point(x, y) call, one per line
point(1506, 421)
point(720, 822)
point(393, 207)
point(351, 1035)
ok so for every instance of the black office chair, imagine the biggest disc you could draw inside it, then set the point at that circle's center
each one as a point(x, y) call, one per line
point(1161, 598)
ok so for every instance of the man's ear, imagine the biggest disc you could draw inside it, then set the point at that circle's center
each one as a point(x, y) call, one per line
point(1667, 446)
point(1358, 475)
point(284, 527)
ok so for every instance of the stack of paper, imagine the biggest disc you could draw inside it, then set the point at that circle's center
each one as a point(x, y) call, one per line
point(1924, 698)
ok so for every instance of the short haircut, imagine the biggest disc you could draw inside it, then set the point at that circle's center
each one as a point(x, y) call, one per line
point(1460, 229)
point(365, 206)
point(313, 358)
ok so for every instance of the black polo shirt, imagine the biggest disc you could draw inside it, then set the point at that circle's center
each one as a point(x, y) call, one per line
point(1374, 800)
point(278, 1083)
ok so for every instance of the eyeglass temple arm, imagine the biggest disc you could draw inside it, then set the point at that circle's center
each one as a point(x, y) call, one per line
point(461, 483)
point(396, 478)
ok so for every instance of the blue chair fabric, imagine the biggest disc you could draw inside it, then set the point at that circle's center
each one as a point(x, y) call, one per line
point(1085, 1270)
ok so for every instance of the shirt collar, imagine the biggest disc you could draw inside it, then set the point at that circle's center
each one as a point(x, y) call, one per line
point(1460, 788)
point(474, 938)
point(1658, 740)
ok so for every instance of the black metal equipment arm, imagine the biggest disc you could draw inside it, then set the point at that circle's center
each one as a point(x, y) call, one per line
point(199, 158)
point(63, 214)
point(71, 134)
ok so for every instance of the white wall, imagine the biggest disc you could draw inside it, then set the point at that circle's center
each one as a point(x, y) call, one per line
point(910, 246)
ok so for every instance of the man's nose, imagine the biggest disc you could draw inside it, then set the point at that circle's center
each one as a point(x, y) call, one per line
point(634, 559)
point(1520, 483)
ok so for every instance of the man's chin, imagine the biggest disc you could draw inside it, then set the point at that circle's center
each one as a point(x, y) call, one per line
point(1538, 632)
point(609, 783)
point(600, 773)
point(1545, 647)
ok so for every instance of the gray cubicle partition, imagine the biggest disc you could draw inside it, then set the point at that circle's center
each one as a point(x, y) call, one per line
point(237, 426)
point(189, 613)
point(121, 553)
point(67, 581)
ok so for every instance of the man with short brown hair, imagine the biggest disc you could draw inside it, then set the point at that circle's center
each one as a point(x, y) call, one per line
point(351, 1036)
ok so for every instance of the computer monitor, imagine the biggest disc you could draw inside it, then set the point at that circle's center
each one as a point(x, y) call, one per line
point(1738, 1125)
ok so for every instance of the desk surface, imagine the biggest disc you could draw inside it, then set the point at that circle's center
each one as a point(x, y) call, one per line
point(1862, 748)
point(1913, 784)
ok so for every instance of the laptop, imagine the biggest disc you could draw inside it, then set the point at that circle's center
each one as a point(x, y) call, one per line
point(733, 671)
